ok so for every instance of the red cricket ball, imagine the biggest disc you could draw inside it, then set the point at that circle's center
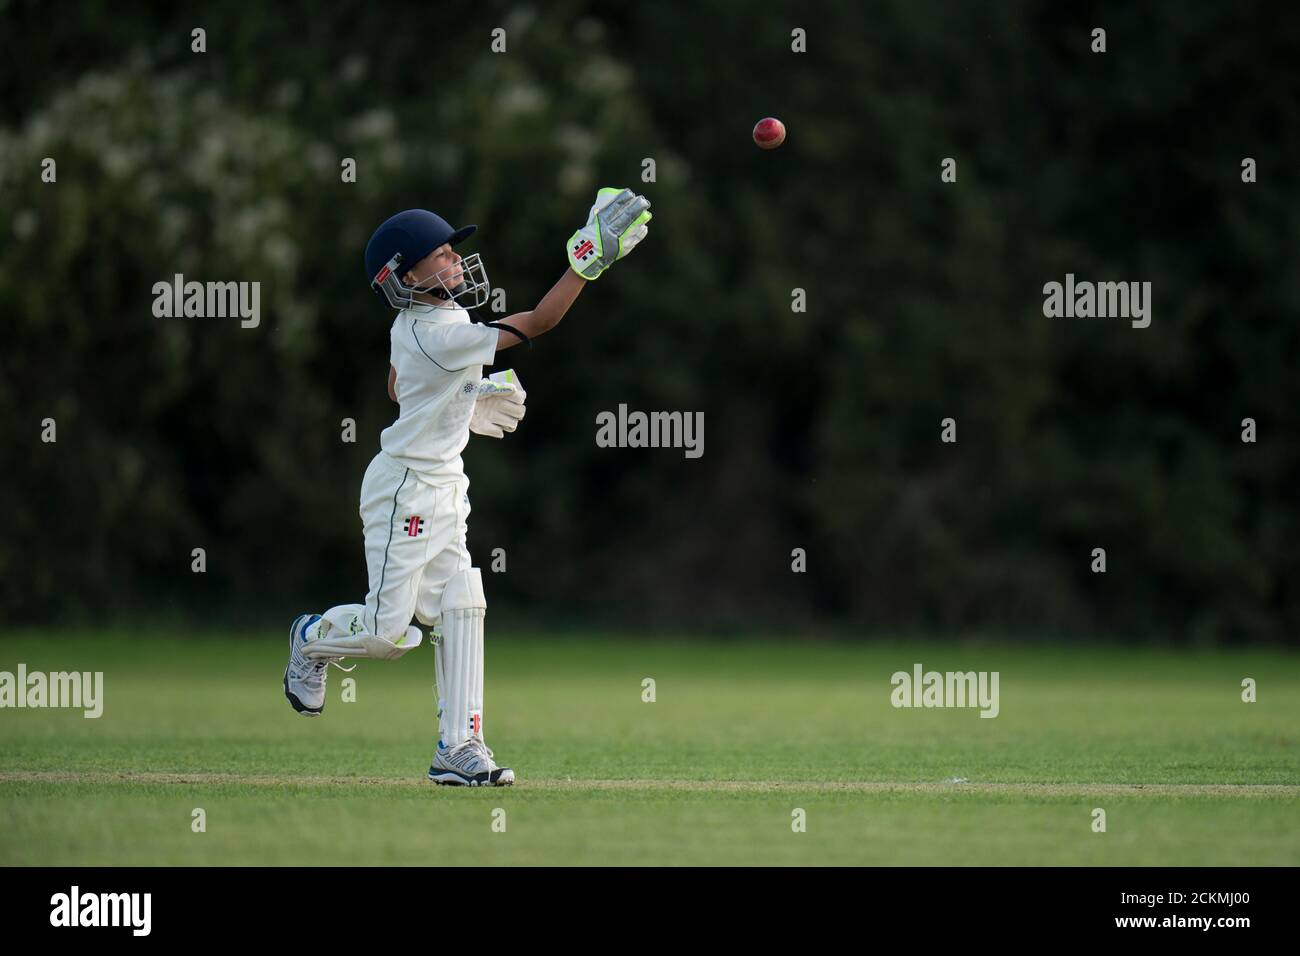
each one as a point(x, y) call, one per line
point(769, 132)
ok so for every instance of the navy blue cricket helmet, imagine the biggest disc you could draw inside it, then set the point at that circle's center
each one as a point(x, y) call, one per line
point(405, 239)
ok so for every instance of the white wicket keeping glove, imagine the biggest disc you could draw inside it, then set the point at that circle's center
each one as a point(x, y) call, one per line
point(616, 223)
point(499, 406)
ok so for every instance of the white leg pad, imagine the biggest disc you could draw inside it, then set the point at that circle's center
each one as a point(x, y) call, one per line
point(459, 658)
point(341, 633)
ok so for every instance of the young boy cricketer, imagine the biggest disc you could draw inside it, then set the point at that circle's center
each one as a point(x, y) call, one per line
point(414, 497)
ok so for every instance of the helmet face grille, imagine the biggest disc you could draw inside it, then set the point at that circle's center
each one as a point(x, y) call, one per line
point(470, 289)
point(465, 283)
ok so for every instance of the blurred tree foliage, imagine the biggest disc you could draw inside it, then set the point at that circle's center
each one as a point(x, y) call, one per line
point(822, 428)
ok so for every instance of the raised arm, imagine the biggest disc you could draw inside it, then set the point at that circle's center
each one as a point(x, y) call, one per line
point(548, 313)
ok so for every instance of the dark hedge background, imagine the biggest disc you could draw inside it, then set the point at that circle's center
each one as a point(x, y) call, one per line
point(822, 429)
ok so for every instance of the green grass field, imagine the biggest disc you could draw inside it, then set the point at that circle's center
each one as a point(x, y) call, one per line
point(740, 735)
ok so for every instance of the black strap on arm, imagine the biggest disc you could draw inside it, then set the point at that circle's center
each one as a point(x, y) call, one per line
point(512, 330)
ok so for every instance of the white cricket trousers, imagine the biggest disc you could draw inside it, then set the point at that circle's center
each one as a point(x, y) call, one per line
point(415, 541)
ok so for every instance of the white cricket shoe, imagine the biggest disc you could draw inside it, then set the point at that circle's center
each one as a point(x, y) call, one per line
point(469, 765)
point(304, 680)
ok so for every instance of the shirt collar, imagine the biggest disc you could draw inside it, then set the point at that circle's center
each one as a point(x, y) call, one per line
point(446, 313)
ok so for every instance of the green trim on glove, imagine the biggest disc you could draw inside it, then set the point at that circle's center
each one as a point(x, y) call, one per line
point(616, 222)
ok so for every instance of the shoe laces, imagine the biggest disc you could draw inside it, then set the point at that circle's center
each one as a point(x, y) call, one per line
point(313, 674)
point(476, 746)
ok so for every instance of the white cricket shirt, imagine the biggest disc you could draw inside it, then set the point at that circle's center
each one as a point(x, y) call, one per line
point(439, 357)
